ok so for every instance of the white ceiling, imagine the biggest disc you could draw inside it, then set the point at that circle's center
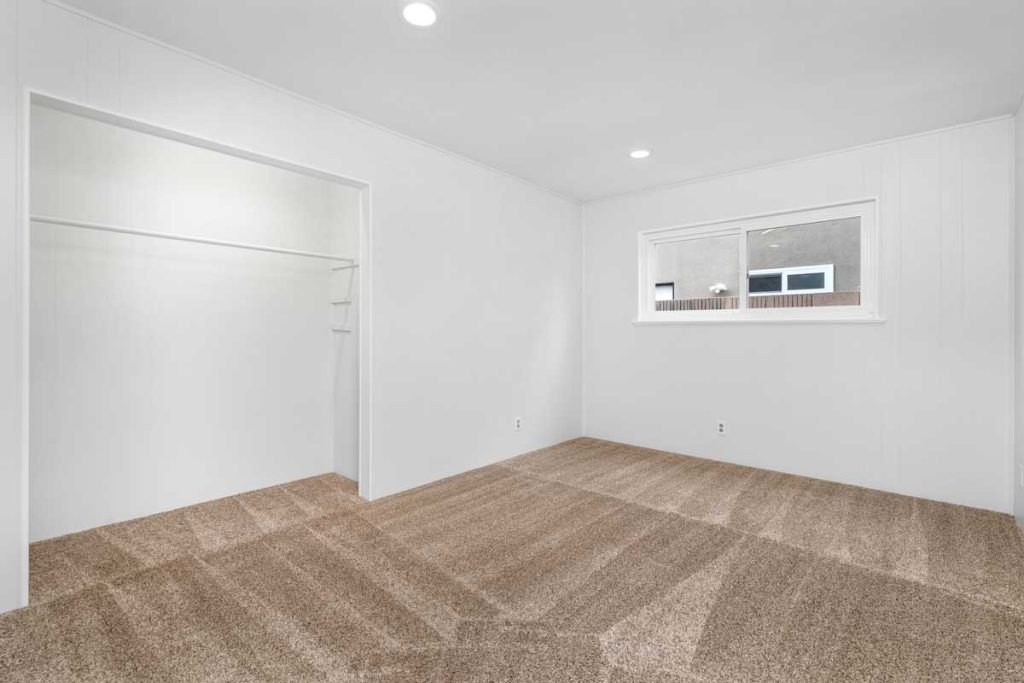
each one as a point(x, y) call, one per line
point(559, 91)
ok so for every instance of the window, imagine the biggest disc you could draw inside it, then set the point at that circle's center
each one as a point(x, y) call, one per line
point(804, 279)
point(815, 264)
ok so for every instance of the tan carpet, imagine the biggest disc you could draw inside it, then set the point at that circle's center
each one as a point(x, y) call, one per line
point(589, 561)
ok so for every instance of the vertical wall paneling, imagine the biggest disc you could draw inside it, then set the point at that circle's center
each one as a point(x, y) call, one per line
point(919, 404)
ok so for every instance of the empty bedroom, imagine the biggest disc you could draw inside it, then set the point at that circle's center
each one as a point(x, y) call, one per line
point(508, 340)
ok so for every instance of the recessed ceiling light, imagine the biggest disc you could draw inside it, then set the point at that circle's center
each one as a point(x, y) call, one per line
point(774, 246)
point(640, 154)
point(420, 14)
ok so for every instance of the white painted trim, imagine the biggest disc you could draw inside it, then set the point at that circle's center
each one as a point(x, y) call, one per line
point(365, 319)
point(24, 244)
point(583, 320)
point(291, 93)
point(1014, 322)
point(867, 209)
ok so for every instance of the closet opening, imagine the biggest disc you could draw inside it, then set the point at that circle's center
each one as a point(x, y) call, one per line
point(198, 320)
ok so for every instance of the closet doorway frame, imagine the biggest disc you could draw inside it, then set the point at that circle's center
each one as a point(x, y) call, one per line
point(33, 96)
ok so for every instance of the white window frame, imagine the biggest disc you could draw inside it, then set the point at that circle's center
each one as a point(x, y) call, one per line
point(828, 269)
point(869, 309)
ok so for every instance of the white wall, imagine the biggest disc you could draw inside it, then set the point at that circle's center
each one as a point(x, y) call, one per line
point(1018, 496)
point(475, 276)
point(920, 404)
point(166, 373)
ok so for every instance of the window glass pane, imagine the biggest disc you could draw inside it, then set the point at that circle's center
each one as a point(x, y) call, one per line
point(760, 284)
point(704, 272)
point(818, 264)
point(796, 281)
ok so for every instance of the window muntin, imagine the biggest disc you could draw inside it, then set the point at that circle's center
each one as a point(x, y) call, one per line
point(811, 264)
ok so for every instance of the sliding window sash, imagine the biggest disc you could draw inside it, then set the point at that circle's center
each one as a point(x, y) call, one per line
point(869, 309)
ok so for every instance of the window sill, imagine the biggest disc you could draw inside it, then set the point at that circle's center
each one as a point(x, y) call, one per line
point(733, 320)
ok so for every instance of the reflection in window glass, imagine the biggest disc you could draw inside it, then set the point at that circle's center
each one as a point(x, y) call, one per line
point(766, 284)
point(815, 264)
point(797, 281)
point(704, 273)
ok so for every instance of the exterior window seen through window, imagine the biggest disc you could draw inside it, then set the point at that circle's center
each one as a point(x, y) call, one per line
point(798, 261)
point(820, 262)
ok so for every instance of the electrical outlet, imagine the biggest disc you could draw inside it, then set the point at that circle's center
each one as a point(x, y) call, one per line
point(720, 427)
point(519, 424)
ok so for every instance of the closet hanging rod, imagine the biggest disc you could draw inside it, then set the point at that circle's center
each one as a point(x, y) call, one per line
point(50, 220)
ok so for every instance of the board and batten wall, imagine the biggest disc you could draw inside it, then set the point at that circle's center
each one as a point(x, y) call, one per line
point(449, 375)
point(919, 404)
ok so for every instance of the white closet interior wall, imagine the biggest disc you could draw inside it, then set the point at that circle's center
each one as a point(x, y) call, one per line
point(165, 373)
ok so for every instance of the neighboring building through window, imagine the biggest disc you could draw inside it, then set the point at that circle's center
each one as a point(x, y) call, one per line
point(812, 259)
